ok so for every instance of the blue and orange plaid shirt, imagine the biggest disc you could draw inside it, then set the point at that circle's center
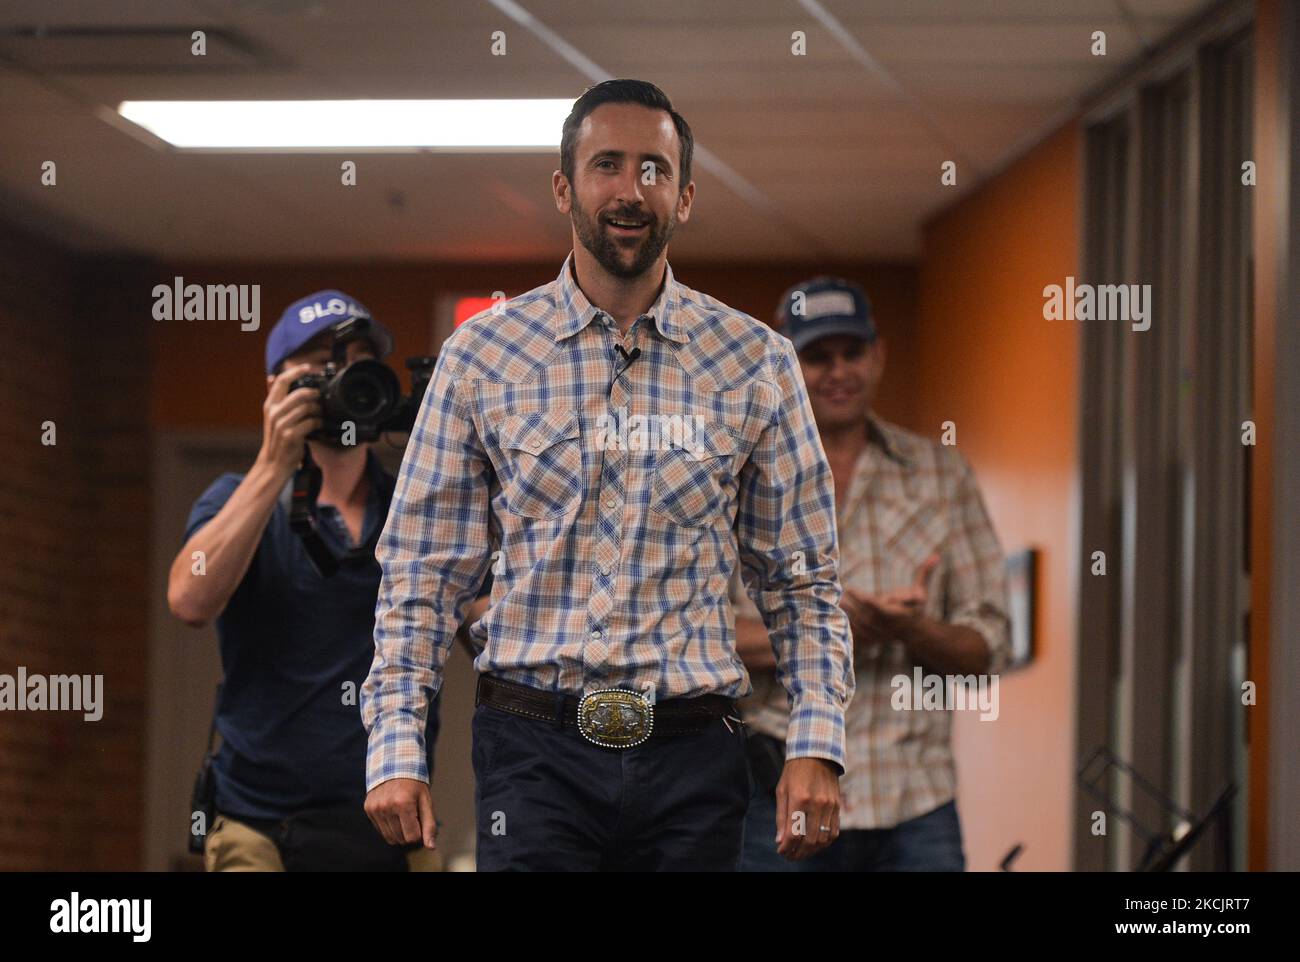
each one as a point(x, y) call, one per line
point(612, 504)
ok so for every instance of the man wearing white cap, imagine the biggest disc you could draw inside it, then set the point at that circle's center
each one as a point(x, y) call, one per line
point(924, 590)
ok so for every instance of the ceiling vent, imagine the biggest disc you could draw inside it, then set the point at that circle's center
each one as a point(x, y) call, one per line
point(108, 50)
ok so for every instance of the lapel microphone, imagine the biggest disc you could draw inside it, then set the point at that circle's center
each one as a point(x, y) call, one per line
point(628, 358)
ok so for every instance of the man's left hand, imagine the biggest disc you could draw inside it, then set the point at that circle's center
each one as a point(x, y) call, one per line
point(891, 615)
point(807, 807)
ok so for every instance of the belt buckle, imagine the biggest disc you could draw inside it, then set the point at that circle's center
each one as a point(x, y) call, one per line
point(615, 718)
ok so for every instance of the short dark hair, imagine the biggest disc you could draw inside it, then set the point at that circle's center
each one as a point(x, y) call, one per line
point(623, 92)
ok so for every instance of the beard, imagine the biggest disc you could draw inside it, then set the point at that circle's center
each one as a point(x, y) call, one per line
point(594, 235)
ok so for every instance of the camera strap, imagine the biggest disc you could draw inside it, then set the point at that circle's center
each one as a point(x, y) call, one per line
point(203, 798)
point(212, 726)
point(298, 497)
point(302, 516)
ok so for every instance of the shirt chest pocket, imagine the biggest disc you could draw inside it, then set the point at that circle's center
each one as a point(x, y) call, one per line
point(695, 482)
point(543, 461)
point(910, 533)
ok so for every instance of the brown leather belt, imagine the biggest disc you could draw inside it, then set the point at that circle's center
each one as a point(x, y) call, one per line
point(612, 718)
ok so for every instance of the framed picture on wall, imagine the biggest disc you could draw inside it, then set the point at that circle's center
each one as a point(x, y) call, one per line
point(1022, 570)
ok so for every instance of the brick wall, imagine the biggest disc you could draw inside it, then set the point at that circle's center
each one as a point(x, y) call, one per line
point(74, 540)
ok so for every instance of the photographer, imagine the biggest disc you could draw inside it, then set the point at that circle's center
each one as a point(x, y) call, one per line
point(295, 645)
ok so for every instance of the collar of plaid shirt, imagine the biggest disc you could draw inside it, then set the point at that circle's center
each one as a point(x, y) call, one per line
point(892, 441)
point(610, 552)
point(576, 312)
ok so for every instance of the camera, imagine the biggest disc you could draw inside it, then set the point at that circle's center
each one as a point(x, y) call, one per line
point(364, 394)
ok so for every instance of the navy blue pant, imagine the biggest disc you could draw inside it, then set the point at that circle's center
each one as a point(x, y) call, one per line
point(927, 843)
point(546, 799)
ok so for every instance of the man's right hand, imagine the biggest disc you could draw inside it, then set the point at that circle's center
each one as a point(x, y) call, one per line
point(402, 810)
point(871, 617)
point(287, 418)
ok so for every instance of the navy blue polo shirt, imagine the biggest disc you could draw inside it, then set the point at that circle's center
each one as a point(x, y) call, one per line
point(291, 640)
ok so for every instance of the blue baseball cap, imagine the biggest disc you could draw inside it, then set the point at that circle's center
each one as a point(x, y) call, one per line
point(824, 306)
point(305, 318)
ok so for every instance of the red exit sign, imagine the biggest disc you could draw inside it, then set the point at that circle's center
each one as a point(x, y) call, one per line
point(467, 307)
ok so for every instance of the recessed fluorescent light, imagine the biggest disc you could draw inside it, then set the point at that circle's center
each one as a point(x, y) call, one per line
point(352, 124)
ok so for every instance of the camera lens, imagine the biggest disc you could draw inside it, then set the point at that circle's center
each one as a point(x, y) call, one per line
point(361, 395)
point(367, 391)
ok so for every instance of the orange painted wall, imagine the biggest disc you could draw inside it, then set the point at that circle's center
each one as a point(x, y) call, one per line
point(987, 360)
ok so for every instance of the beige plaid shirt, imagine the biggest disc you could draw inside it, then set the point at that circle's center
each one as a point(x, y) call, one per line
point(610, 561)
point(908, 498)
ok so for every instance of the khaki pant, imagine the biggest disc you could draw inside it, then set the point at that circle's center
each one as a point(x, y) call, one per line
point(232, 846)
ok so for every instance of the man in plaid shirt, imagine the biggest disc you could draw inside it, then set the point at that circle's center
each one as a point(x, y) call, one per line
point(924, 586)
point(613, 445)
